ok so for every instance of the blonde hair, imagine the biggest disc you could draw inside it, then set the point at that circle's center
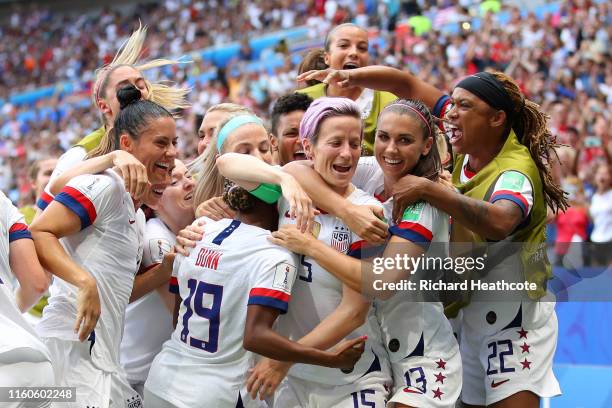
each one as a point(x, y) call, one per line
point(210, 183)
point(163, 93)
point(229, 108)
point(197, 165)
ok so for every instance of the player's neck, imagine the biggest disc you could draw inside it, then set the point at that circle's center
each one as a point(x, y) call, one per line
point(177, 222)
point(262, 216)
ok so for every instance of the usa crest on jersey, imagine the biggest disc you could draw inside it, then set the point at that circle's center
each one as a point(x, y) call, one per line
point(341, 239)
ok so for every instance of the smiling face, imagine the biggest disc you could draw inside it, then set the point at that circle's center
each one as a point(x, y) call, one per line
point(209, 123)
point(287, 139)
point(120, 78)
point(155, 149)
point(178, 196)
point(470, 122)
point(249, 139)
point(348, 48)
point(400, 142)
point(336, 152)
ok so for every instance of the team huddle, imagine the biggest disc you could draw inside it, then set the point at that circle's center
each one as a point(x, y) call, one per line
point(248, 281)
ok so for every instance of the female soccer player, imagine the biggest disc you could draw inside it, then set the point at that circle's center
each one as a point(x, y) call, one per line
point(346, 48)
point(424, 354)
point(101, 229)
point(24, 359)
point(502, 150)
point(232, 287)
point(123, 70)
point(142, 341)
point(502, 145)
point(246, 135)
point(324, 311)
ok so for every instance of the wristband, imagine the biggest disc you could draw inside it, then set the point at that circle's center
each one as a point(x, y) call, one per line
point(268, 193)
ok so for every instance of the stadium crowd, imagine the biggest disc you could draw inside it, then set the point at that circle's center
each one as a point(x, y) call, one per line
point(561, 61)
point(196, 171)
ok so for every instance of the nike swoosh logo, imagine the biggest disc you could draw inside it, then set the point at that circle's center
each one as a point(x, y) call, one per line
point(131, 221)
point(497, 384)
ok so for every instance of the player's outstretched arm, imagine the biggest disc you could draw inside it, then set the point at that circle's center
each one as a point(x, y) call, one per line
point(249, 172)
point(364, 220)
point(56, 222)
point(358, 275)
point(260, 338)
point(491, 220)
point(382, 78)
point(350, 314)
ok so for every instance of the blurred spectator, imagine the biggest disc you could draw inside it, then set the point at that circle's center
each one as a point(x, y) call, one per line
point(572, 225)
point(601, 213)
point(561, 60)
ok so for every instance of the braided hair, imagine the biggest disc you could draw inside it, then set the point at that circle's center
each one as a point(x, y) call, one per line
point(529, 123)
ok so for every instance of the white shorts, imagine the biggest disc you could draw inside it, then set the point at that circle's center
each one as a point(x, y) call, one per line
point(433, 379)
point(176, 379)
point(94, 387)
point(369, 391)
point(26, 374)
point(516, 358)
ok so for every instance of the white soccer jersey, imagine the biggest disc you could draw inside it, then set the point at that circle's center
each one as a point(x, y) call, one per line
point(70, 158)
point(413, 330)
point(141, 339)
point(317, 293)
point(109, 247)
point(16, 332)
point(232, 267)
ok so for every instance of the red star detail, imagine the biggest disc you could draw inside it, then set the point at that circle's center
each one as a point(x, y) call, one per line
point(522, 333)
point(525, 347)
point(437, 393)
point(441, 364)
point(440, 377)
point(526, 364)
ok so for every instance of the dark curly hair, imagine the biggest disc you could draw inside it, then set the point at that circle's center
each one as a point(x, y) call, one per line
point(287, 104)
point(238, 198)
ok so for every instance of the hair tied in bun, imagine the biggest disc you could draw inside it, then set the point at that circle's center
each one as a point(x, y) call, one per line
point(128, 95)
point(238, 198)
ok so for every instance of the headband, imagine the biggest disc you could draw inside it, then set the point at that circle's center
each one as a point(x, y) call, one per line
point(415, 110)
point(233, 124)
point(485, 86)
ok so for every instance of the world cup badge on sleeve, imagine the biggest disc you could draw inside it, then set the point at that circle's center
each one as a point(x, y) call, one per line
point(284, 276)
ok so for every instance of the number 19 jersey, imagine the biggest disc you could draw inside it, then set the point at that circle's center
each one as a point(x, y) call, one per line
point(232, 267)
